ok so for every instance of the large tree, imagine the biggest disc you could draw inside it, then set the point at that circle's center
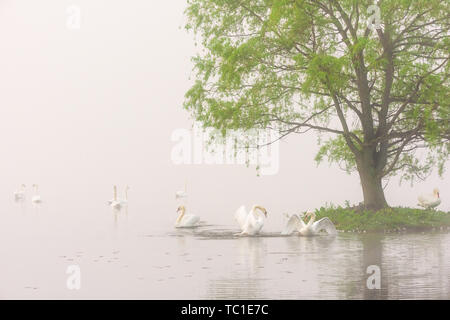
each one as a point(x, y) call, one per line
point(376, 89)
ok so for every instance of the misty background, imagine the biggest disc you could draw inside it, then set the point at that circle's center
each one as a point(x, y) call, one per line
point(83, 109)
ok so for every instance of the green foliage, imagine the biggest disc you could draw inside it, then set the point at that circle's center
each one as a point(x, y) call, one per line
point(325, 72)
point(386, 220)
point(294, 65)
point(336, 150)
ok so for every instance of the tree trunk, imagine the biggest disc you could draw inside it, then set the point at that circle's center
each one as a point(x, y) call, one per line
point(371, 184)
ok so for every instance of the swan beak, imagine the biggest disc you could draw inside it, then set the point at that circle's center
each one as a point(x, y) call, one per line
point(265, 213)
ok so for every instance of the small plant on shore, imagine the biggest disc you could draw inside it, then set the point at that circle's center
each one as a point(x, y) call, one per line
point(394, 219)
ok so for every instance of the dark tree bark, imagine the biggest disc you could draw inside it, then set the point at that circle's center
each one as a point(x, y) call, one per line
point(371, 181)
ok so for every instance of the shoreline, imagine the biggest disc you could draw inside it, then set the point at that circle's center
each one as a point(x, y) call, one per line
point(392, 220)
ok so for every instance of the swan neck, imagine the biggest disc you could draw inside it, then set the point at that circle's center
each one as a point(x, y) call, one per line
point(181, 215)
point(257, 211)
point(312, 219)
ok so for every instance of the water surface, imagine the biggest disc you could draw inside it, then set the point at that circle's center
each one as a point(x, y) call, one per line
point(120, 257)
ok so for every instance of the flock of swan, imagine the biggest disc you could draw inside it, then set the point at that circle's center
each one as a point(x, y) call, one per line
point(117, 203)
point(250, 222)
point(19, 195)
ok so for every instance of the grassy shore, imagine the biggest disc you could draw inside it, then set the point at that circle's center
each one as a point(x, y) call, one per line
point(394, 219)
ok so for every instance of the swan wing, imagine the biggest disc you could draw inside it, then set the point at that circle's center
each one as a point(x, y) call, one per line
point(190, 220)
point(425, 199)
point(434, 203)
point(428, 201)
point(255, 225)
point(241, 217)
point(294, 224)
point(324, 224)
point(437, 202)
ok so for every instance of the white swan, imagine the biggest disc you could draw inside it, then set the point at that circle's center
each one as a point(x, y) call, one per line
point(186, 220)
point(19, 195)
point(295, 223)
point(124, 201)
point(114, 203)
point(36, 198)
point(114, 196)
point(429, 201)
point(182, 193)
point(251, 222)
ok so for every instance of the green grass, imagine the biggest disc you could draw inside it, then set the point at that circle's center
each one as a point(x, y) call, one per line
point(387, 220)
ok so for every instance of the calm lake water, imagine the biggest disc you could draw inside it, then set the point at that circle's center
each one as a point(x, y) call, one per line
point(122, 257)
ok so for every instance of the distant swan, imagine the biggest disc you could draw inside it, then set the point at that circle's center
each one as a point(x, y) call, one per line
point(36, 198)
point(295, 223)
point(124, 201)
point(182, 193)
point(429, 201)
point(251, 222)
point(186, 220)
point(19, 195)
point(114, 203)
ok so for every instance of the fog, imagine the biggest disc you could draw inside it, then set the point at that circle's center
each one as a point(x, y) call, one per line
point(82, 109)
point(86, 108)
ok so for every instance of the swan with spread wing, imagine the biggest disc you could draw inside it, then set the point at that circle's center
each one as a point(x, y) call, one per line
point(312, 228)
point(251, 222)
